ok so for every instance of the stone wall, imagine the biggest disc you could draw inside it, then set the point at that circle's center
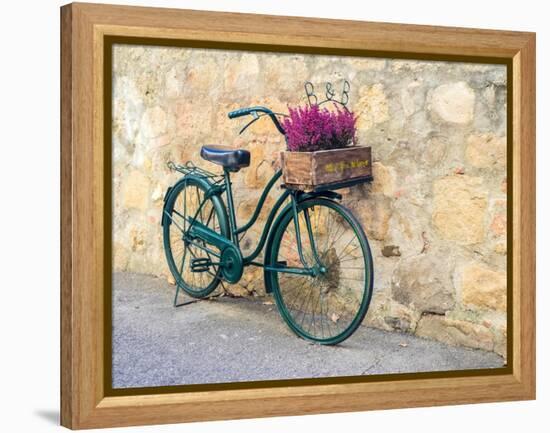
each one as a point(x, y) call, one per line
point(435, 214)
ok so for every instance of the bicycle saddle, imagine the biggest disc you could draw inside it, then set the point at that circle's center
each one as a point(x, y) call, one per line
point(228, 157)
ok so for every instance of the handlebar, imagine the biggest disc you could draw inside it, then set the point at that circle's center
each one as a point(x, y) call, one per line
point(254, 112)
point(240, 112)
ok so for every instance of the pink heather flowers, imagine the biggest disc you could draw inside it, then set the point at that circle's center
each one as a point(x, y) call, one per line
point(311, 128)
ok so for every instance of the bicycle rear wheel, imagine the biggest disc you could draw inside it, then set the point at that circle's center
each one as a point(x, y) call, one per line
point(329, 307)
point(183, 203)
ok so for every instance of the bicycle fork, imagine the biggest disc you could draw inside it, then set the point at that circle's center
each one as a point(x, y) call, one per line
point(318, 268)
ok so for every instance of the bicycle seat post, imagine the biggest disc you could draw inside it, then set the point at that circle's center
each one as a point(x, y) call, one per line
point(231, 205)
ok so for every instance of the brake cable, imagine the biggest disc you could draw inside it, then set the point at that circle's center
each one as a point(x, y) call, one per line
point(257, 116)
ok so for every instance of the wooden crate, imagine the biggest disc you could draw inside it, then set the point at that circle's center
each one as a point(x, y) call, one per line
point(310, 171)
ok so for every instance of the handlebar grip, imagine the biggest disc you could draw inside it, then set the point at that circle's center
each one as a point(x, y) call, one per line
point(238, 113)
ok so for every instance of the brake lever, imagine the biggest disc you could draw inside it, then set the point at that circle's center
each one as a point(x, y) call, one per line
point(255, 117)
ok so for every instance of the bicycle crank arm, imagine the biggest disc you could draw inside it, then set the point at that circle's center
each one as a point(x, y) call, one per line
point(202, 264)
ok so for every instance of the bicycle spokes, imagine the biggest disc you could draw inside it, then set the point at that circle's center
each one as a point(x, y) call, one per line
point(192, 261)
point(329, 305)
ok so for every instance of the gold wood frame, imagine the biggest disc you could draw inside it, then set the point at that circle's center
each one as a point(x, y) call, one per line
point(86, 400)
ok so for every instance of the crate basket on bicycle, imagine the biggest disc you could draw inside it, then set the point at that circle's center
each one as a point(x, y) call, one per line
point(322, 150)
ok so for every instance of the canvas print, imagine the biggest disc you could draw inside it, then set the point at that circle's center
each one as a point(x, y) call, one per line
point(285, 216)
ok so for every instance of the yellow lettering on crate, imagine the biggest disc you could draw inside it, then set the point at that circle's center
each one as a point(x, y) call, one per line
point(342, 165)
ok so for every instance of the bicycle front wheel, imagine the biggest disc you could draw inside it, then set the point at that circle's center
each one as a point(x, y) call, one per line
point(329, 307)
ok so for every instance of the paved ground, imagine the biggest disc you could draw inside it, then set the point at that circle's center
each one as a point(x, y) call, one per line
point(231, 340)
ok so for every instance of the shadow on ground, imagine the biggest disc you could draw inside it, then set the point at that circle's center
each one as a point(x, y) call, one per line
point(233, 340)
point(49, 415)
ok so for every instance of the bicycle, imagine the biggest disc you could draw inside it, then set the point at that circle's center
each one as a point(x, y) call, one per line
point(317, 260)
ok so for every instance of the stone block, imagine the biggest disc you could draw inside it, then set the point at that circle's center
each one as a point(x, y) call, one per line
point(384, 179)
point(460, 207)
point(423, 282)
point(455, 332)
point(486, 150)
point(136, 191)
point(483, 287)
point(153, 122)
point(453, 102)
point(375, 214)
point(372, 107)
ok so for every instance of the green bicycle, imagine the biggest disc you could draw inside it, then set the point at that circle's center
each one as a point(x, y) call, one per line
point(317, 260)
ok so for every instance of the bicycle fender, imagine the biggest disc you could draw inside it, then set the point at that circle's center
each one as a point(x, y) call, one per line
point(174, 189)
point(328, 194)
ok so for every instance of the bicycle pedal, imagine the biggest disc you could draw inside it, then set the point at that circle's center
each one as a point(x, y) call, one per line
point(200, 264)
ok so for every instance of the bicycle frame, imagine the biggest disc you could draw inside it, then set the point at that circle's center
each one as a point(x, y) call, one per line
point(236, 231)
point(201, 231)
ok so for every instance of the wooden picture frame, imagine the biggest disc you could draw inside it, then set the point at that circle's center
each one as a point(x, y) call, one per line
point(85, 398)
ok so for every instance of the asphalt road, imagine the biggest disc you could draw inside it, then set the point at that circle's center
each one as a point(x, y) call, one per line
point(235, 339)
